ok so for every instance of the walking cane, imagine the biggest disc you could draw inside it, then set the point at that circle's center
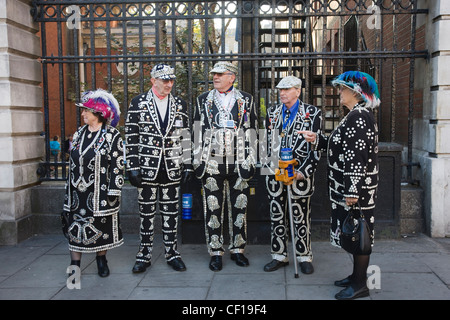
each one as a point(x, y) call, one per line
point(291, 218)
point(286, 175)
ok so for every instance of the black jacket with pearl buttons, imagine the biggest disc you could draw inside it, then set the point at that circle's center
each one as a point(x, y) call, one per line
point(352, 156)
point(308, 117)
point(150, 146)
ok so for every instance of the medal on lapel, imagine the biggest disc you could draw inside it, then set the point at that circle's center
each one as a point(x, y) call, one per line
point(307, 122)
point(285, 123)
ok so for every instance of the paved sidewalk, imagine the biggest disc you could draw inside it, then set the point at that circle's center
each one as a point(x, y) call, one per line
point(412, 268)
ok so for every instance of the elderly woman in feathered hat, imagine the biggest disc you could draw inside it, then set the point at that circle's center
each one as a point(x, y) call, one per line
point(93, 188)
point(352, 150)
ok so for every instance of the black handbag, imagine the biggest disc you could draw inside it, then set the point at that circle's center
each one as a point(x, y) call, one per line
point(65, 223)
point(355, 233)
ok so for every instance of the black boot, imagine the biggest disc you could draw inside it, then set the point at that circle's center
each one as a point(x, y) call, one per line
point(74, 263)
point(102, 266)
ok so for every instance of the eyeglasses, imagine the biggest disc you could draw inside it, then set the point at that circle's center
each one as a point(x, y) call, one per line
point(165, 80)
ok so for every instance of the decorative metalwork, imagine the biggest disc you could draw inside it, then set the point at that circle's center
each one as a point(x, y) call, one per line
point(113, 45)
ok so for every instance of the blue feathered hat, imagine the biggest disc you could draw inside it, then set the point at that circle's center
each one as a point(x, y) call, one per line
point(361, 83)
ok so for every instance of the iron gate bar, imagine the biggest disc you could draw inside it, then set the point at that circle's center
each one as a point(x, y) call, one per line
point(37, 14)
point(411, 100)
point(223, 16)
point(323, 54)
point(45, 98)
point(61, 99)
point(77, 75)
point(125, 64)
point(241, 56)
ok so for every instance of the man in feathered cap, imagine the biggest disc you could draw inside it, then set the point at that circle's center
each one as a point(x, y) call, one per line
point(225, 123)
point(158, 157)
point(283, 123)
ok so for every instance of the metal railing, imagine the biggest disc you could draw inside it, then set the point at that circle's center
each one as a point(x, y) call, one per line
point(113, 45)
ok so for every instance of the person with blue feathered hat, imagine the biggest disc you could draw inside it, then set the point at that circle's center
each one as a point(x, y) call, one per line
point(93, 189)
point(352, 151)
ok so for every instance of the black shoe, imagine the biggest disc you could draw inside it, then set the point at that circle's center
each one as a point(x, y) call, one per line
point(177, 264)
point(74, 263)
point(216, 263)
point(140, 266)
point(306, 267)
point(349, 293)
point(102, 266)
point(344, 282)
point(275, 265)
point(240, 259)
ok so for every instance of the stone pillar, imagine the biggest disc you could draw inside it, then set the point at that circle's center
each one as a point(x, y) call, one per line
point(434, 129)
point(21, 121)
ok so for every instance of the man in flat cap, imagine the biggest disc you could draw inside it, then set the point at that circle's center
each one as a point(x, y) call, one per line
point(158, 157)
point(224, 158)
point(283, 123)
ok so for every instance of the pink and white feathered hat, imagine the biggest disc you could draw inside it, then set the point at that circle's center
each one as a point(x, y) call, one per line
point(103, 102)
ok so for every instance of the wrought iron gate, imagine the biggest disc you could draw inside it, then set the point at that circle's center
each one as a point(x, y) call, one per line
point(114, 44)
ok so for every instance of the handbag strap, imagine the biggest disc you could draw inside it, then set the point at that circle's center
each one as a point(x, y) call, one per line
point(354, 208)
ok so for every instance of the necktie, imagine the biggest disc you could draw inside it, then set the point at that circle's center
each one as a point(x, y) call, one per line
point(287, 114)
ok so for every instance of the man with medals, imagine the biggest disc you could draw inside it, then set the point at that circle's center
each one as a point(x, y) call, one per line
point(283, 123)
point(158, 157)
point(224, 158)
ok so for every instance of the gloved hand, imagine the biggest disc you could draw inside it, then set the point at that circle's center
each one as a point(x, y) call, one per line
point(187, 176)
point(135, 178)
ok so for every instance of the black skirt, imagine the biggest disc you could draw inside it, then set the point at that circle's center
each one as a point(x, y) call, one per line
point(89, 233)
